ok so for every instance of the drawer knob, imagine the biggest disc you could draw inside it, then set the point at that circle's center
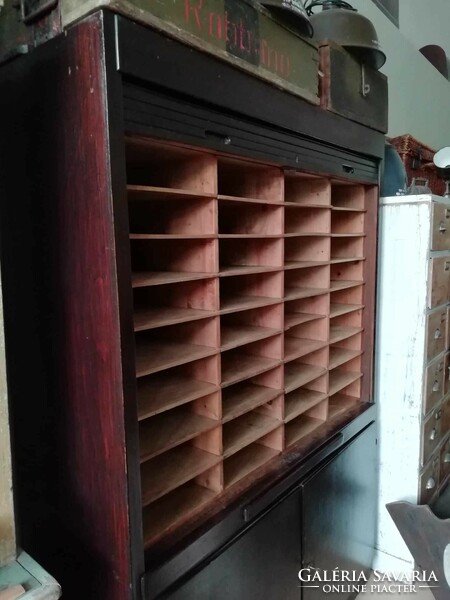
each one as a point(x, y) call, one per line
point(447, 266)
point(431, 483)
point(442, 227)
point(447, 457)
point(433, 434)
point(438, 415)
point(437, 334)
point(436, 386)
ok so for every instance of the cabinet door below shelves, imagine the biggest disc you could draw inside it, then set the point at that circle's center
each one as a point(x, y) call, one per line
point(262, 564)
point(339, 504)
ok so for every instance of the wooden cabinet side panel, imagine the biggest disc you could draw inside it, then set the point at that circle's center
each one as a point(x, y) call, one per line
point(64, 353)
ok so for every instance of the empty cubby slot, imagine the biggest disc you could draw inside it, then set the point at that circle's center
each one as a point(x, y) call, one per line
point(167, 347)
point(344, 375)
point(302, 399)
point(307, 222)
point(157, 165)
point(250, 360)
point(236, 256)
point(347, 223)
point(248, 460)
point(243, 397)
point(301, 372)
point(339, 403)
point(166, 472)
point(306, 190)
point(246, 429)
point(346, 275)
point(174, 427)
point(347, 196)
point(347, 248)
point(340, 331)
point(303, 283)
point(238, 329)
point(305, 338)
point(306, 423)
point(240, 219)
point(250, 291)
point(156, 262)
point(196, 380)
point(159, 306)
point(305, 310)
point(244, 179)
point(346, 301)
point(340, 355)
point(173, 509)
point(177, 218)
point(306, 252)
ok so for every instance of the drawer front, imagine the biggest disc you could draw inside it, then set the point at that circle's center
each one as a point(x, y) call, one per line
point(445, 417)
point(445, 462)
point(434, 384)
point(440, 232)
point(429, 480)
point(438, 281)
point(447, 374)
point(431, 434)
point(447, 330)
point(436, 326)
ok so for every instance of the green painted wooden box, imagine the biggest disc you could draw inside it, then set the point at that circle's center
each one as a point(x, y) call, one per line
point(241, 32)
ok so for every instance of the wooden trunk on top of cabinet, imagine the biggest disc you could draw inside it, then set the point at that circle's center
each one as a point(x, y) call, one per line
point(196, 290)
point(412, 359)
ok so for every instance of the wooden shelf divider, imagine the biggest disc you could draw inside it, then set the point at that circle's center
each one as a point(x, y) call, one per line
point(341, 379)
point(162, 392)
point(244, 397)
point(339, 356)
point(153, 356)
point(242, 431)
point(296, 375)
point(249, 287)
point(152, 317)
point(301, 400)
point(300, 427)
point(165, 514)
point(169, 429)
point(342, 332)
point(246, 461)
point(239, 367)
point(166, 472)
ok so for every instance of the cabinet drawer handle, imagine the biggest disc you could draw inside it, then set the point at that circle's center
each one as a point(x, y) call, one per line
point(447, 266)
point(442, 227)
point(433, 434)
point(436, 386)
point(437, 334)
point(447, 457)
point(438, 415)
point(431, 483)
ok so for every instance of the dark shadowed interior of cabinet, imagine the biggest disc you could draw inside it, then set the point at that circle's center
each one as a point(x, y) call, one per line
point(248, 286)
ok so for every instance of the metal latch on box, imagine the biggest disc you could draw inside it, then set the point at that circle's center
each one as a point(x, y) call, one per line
point(365, 87)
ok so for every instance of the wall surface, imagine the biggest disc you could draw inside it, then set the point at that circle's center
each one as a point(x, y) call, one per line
point(426, 22)
point(419, 97)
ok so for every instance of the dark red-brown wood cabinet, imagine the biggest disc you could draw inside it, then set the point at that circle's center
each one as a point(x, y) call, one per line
point(188, 261)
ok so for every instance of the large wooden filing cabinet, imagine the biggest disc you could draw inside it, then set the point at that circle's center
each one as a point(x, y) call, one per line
point(413, 359)
point(196, 292)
